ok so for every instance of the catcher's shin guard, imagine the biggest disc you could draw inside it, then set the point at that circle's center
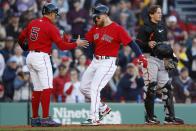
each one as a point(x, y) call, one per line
point(149, 100)
point(168, 100)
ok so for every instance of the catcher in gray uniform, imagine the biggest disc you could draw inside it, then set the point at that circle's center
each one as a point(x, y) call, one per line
point(151, 39)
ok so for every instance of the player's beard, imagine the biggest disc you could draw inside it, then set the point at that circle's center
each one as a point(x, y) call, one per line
point(100, 23)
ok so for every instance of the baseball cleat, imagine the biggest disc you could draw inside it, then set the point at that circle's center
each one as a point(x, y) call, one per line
point(152, 121)
point(104, 113)
point(90, 122)
point(48, 122)
point(35, 122)
point(173, 121)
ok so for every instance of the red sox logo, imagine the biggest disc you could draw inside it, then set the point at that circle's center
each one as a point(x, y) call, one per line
point(105, 37)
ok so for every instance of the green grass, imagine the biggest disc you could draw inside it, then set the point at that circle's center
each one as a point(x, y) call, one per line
point(104, 128)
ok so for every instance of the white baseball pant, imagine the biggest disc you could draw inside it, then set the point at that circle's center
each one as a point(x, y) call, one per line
point(40, 70)
point(94, 79)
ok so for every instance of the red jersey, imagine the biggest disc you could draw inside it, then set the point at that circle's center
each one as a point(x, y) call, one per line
point(107, 39)
point(40, 33)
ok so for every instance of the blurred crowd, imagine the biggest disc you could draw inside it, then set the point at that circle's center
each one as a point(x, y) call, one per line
point(68, 66)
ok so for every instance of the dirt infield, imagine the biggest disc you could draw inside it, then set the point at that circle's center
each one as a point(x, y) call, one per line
point(135, 127)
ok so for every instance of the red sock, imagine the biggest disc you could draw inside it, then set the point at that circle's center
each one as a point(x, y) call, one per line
point(45, 101)
point(36, 95)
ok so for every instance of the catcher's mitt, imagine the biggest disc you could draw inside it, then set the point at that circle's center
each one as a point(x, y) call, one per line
point(170, 64)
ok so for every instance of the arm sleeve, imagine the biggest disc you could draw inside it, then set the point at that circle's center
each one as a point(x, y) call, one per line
point(135, 48)
point(56, 37)
point(124, 36)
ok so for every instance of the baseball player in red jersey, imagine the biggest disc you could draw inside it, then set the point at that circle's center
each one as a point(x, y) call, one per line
point(40, 33)
point(107, 37)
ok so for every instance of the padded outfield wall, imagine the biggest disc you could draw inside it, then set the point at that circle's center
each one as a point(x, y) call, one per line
point(122, 113)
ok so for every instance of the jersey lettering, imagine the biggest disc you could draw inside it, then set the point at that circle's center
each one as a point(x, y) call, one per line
point(107, 38)
point(34, 33)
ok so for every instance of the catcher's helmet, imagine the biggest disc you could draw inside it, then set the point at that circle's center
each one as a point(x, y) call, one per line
point(49, 8)
point(100, 9)
point(163, 50)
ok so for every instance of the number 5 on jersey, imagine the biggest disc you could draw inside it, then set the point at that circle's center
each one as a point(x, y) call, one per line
point(34, 33)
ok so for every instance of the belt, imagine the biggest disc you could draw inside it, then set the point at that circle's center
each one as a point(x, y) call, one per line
point(35, 51)
point(101, 57)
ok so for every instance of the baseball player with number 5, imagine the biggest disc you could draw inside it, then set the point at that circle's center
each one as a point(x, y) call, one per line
point(106, 36)
point(39, 34)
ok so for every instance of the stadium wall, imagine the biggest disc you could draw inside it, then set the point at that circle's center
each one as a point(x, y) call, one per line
point(122, 113)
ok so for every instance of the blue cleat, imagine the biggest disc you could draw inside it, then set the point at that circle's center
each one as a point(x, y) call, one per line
point(35, 122)
point(48, 122)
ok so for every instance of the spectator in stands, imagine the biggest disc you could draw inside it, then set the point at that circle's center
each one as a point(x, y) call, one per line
point(108, 93)
point(71, 89)
point(12, 29)
point(2, 66)
point(7, 52)
point(2, 32)
point(62, 22)
point(77, 53)
point(22, 85)
point(113, 83)
point(191, 53)
point(18, 54)
point(184, 88)
point(82, 65)
point(5, 11)
point(55, 59)
point(62, 4)
point(125, 57)
point(66, 61)
point(130, 85)
point(8, 77)
point(77, 18)
point(1, 92)
point(25, 5)
point(58, 84)
point(174, 30)
point(125, 17)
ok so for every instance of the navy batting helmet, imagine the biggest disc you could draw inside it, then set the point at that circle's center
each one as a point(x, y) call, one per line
point(99, 10)
point(49, 8)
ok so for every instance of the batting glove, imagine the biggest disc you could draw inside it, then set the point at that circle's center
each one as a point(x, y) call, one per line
point(142, 59)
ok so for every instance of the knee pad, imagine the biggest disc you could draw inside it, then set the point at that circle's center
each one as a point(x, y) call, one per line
point(150, 90)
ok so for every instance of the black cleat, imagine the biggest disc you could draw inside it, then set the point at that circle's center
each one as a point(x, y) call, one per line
point(152, 121)
point(173, 121)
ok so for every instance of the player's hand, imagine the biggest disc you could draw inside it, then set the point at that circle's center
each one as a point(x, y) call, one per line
point(151, 44)
point(82, 43)
point(142, 59)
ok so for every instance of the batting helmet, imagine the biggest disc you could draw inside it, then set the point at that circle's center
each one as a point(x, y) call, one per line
point(49, 8)
point(99, 10)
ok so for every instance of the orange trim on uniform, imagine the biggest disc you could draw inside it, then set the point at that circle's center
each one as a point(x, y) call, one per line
point(151, 36)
